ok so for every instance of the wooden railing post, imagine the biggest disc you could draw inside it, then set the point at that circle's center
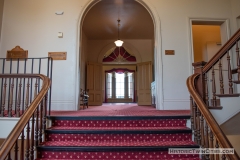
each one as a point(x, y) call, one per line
point(200, 84)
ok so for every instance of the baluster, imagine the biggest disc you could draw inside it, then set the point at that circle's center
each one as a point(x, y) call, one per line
point(192, 113)
point(206, 140)
point(195, 121)
point(37, 128)
point(11, 99)
point(238, 61)
point(221, 78)
point(27, 95)
point(4, 98)
point(32, 139)
point(229, 75)
point(202, 130)
point(22, 146)
point(37, 113)
point(41, 122)
point(198, 127)
point(206, 90)
point(28, 125)
point(211, 144)
point(217, 146)
point(27, 154)
point(19, 98)
point(45, 112)
point(214, 101)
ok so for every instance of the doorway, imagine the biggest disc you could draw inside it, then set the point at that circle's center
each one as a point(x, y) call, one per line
point(86, 40)
point(207, 37)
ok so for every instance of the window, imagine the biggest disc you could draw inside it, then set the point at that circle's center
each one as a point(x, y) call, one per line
point(130, 85)
point(119, 85)
point(109, 85)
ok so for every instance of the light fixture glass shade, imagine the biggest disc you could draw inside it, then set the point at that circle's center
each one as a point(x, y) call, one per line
point(118, 43)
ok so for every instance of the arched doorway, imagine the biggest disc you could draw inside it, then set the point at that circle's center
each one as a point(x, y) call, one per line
point(156, 43)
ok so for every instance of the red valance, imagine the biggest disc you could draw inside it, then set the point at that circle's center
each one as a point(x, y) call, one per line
point(119, 70)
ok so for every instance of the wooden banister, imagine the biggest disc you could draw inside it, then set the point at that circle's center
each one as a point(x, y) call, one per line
point(27, 115)
point(210, 120)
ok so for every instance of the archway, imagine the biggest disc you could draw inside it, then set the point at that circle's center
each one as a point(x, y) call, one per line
point(157, 61)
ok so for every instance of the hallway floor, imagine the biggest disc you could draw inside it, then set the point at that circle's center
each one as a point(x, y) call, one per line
point(121, 109)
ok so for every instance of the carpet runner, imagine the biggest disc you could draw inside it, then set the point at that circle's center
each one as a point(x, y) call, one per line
point(117, 137)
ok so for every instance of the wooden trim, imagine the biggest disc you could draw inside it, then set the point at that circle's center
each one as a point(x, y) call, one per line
point(212, 123)
point(17, 53)
point(25, 118)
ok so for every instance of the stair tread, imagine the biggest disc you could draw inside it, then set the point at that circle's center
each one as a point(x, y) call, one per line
point(122, 159)
point(116, 143)
point(117, 128)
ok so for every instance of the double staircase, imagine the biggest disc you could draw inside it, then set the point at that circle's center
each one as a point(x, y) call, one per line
point(117, 137)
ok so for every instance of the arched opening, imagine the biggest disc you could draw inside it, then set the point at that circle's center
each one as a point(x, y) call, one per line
point(96, 39)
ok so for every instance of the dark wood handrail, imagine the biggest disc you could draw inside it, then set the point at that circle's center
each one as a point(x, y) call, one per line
point(224, 49)
point(220, 136)
point(13, 136)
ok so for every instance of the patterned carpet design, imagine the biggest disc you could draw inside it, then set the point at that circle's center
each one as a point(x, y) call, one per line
point(120, 132)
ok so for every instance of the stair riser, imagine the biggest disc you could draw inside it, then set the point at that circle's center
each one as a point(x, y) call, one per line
point(120, 123)
point(116, 155)
point(119, 137)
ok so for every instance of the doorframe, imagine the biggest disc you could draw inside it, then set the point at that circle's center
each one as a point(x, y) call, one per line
point(204, 21)
point(158, 62)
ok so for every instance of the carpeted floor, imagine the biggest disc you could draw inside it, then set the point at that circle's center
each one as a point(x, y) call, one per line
point(121, 109)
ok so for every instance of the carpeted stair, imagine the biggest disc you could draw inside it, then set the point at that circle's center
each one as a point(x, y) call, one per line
point(117, 137)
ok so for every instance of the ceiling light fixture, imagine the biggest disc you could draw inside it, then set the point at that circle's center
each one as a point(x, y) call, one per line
point(118, 42)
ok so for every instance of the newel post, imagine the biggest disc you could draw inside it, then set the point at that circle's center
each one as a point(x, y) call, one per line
point(200, 82)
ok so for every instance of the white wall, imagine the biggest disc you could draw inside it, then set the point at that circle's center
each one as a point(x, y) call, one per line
point(1, 14)
point(235, 14)
point(175, 31)
point(34, 26)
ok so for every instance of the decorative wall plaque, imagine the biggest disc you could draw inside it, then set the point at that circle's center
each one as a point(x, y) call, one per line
point(17, 53)
point(58, 55)
point(169, 52)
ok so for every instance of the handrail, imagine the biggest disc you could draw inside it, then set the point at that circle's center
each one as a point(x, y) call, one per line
point(215, 128)
point(224, 49)
point(25, 118)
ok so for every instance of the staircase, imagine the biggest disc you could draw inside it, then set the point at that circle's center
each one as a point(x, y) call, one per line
point(117, 137)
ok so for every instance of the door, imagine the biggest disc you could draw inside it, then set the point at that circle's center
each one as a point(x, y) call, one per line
point(211, 49)
point(144, 80)
point(94, 83)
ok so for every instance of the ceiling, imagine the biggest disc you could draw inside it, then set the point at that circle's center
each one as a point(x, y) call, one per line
point(101, 21)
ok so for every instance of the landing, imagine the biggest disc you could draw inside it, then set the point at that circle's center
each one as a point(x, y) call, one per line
point(121, 109)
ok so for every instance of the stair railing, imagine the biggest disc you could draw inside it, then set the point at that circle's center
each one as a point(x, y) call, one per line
point(205, 90)
point(41, 65)
point(29, 131)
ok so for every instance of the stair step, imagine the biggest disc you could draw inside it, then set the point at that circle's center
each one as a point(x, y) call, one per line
point(119, 137)
point(60, 129)
point(111, 144)
point(121, 123)
point(112, 130)
point(120, 117)
point(117, 155)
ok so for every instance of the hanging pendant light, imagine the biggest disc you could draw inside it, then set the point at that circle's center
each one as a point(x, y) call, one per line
point(118, 43)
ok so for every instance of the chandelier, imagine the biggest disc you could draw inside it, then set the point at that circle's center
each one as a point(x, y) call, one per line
point(118, 43)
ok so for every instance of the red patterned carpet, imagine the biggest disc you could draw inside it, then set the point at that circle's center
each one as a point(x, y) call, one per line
point(117, 132)
point(120, 109)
